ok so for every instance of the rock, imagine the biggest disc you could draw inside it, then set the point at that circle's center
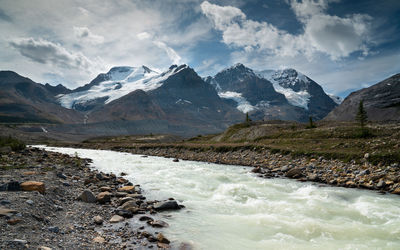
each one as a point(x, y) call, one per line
point(285, 168)
point(105, 189)
point(5, 202)
point(116, 219)
point(162, 245)
point(33, 186)
point(161, 238)
point(98, 220)
point(123, 174)
point(13, 221)
point(7, 212)
point(396, 191)
point(11, 186)
point(54, 229)
point(124, 200)
point(103, 197)
point(122, 180)
point(129, 205)
point(145, 218)
point(30, 202)
point(166, 205)
point(366, 155)
point(99, 239)
point(294, 173)
point(87, 196)
point(124, 213)
point(121, 194)
point(158, 223)
point(19, 242)
point(136, 196)
point(256, 170)
point(128, 189)
point(44, 248)
point(61, 175)
point(381, 184)
point(29, 173)
point(175, 160)
point(313, 177)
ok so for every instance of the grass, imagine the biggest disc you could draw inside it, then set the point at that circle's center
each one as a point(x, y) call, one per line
point(14, 144)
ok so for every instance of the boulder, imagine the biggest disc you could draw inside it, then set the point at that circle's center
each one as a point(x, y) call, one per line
point(33, 186)
point(116, 219)
point(124, 213)
point(294, 173)
point(166, 205)
point(98, 220)
point(87, 196)
point(103, 197)
point(128, 189)
point(124, 200)
point(161, 238)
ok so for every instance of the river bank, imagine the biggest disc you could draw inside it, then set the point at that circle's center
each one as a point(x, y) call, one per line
point(268, 164)
point(50, 200)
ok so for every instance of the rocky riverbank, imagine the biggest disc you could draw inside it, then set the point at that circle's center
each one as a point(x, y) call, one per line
point(385, 179)
point(54, 201)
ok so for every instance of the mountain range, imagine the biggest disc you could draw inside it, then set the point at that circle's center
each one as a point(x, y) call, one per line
point(139, 100)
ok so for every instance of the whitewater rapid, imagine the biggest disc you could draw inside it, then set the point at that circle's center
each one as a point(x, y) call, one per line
point(227, 207)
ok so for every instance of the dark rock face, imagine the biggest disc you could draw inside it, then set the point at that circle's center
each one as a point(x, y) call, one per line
point(22, 100)
point(269, 104)
point(255, 89)
point(56, 90)
point(381, 101)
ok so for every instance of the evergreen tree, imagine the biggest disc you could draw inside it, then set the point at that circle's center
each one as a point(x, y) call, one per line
point(247, 117)
point(361, 116)
point(311, 123)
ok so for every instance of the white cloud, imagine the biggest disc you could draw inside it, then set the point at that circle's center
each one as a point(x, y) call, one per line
point(46, 52)
point(175, 58)
point(84, 34)
point(331, 35)
point(143, 35)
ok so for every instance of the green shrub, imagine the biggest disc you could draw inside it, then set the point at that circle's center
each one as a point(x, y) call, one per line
point(14, 144)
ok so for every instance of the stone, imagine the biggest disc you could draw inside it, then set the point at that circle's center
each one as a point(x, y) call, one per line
point(103, 197)
point(13, 221)
point(61, 175)
point(129, 205)
point(98, 220)
point(30, 202)
point(87, 196)
point(136, 196)
point(294, 173)
point(285, 168)
point(381, 184)
point(124, 213)
point(33, 186)
point(124, 200)
point(44, 248)
point(11, 186)
point(99, 239)
point(54, 229)
point(122, 180)
point(7, 212)
point(158, 223)
point(166, 205)
point(145, 218)
point(175, 160)
point(162, 245)
point(123, 174)
point(128, 189)
point(366, 155)
point(161, 238)
point(396, 191)
point(29, 173)
point(121, 194)
point(116, 219)
point(105, 189)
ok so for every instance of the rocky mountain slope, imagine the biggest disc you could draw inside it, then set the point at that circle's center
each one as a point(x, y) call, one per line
point(381, 101)
point(22, 100)
point(267, 95)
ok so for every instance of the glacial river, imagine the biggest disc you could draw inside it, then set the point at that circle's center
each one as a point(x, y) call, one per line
point(229, 208)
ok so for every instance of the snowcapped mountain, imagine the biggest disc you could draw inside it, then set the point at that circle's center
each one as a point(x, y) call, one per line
point(118, 82)
point(337, 99)
point(272, 94)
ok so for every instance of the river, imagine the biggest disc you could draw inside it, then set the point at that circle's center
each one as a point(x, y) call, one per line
point(227, 207)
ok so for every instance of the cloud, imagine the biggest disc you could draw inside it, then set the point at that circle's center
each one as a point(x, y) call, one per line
point(4, 16)
point(322, 33)
point(175, 58)
point(84, 34)
point(172, 55)
point(46, 52)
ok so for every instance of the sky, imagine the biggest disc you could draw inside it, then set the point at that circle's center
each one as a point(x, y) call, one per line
point(343, 45)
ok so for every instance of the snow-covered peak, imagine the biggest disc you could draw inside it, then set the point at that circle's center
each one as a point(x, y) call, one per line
point(337, 99)
point(120, 81)
point(284, 82)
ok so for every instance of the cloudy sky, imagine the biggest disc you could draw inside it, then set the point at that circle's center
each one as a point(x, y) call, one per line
point(342, 44)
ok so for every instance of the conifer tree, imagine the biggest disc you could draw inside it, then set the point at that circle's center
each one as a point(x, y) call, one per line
point(361, 116)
